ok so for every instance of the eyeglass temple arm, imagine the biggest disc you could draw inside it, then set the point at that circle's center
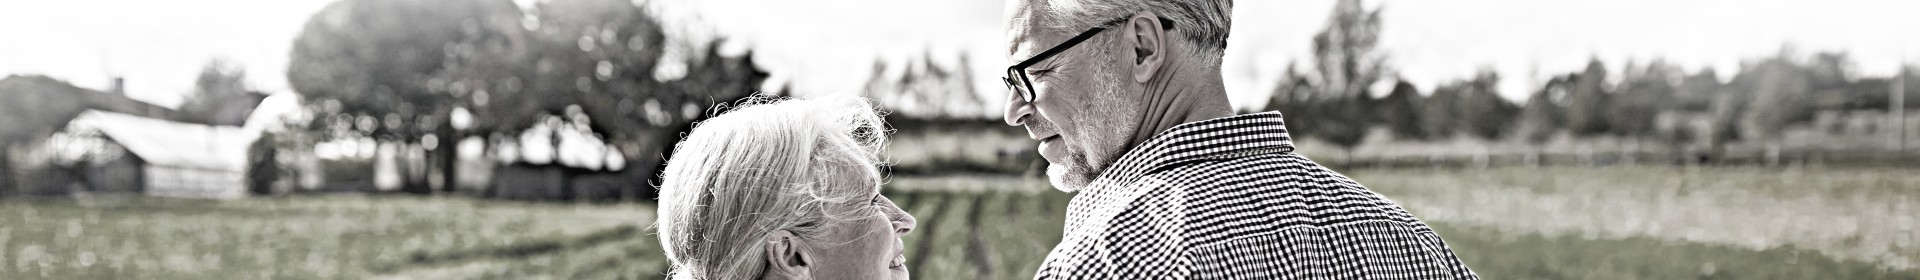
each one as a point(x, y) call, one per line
point(1164, 22)
point(1060, 48)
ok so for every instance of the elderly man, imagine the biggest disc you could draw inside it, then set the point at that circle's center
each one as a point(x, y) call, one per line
point(1126, 99)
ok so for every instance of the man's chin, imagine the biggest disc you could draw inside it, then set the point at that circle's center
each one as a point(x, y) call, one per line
point(1065, 179)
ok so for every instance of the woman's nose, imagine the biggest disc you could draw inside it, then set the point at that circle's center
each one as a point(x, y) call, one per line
point(905, 224)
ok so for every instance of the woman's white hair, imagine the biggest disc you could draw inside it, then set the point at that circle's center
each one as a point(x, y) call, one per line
point(1203, 22)
point(766, 165)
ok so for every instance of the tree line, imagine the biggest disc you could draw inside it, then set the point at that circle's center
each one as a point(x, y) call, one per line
point(401, 71)
point(1333, 98)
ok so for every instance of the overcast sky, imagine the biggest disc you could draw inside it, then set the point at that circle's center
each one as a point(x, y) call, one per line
point(828, 46)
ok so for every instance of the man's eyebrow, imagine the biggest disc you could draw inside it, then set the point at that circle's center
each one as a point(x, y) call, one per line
point(1051, 62)
point(1165, 23)
point(1019, 39)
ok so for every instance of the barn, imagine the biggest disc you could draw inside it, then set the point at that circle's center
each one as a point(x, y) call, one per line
point(161, 157)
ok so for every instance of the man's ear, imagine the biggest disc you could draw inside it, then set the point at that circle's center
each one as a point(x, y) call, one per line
point(1149, 40)
point(788, 257)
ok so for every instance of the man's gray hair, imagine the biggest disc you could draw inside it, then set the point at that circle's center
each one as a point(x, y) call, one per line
point(1204, 22)
point(766, 165)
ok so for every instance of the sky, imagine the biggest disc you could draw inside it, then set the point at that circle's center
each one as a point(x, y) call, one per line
point(159, 47)
point(830, 46)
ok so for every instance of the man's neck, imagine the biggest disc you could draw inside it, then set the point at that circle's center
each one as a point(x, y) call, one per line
point(1176, 98)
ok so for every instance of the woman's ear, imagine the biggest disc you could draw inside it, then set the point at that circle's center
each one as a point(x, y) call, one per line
point(788, 257)
point(1149, 44)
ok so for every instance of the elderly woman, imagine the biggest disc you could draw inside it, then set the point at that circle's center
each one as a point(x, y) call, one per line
point(782, 190)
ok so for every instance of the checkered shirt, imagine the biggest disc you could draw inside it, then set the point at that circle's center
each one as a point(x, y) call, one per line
point(1227, 198)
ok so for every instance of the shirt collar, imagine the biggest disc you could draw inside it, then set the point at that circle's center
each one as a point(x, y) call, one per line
point(1211, 139)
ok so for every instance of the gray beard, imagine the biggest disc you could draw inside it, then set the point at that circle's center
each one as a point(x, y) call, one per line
point(1082, 169)
point(1070, 178)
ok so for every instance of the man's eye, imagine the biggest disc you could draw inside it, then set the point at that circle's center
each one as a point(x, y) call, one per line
point(1040, 72)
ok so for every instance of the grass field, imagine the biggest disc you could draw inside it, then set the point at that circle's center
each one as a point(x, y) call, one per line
point(1495, 250)
point(320, 237)
point(1520, 223)
point(1863, 214)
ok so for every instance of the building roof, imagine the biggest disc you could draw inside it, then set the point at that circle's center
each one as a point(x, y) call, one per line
point(35, 106)
point(169, 143)
point(276, 111)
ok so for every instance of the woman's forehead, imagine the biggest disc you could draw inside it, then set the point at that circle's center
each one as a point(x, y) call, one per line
point(860, 179)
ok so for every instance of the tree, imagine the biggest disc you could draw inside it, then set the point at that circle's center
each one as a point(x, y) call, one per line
point(1676, 132)
point(219, 79)
point(1346, 64)
point(1293, 90)
point(1400, 111)
point(220, 95)
point(922, 88)
point(1483, 113)
point(1543, 116)
point(1697, 91)
point(1474, 107)
point(1588, 102)
point(396, 70)
point(1780, 90)
point(1291, 98)
point(1724, 120)
point(1342, 122)
point(1438, 114)
point(1644, 93)
point(635, 85)
point(263, 165)
point(1339, 121)
point(1702, 92)
point(387, 61)
point(1346, 54)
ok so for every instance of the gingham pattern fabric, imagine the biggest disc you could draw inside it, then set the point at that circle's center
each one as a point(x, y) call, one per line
point(1227, 198)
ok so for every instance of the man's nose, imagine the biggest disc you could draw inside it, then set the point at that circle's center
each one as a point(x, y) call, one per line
point(1018, 110)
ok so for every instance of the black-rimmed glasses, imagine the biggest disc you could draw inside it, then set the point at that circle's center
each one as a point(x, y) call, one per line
point(1017, 79)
